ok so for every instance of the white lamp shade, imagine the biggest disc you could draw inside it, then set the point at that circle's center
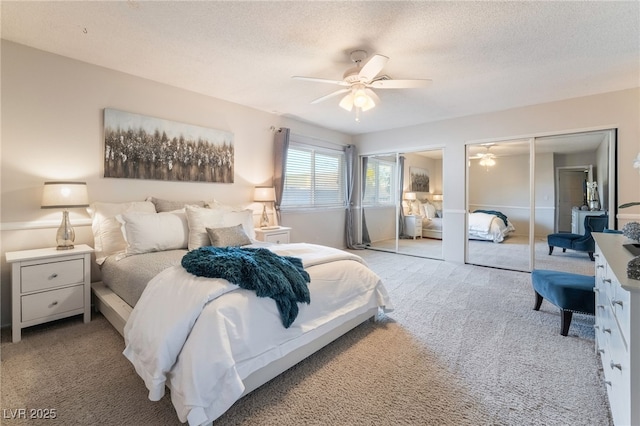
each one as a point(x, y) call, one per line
point(64, 195)
point(410, 196)
point(437, 197)
point(264, 193)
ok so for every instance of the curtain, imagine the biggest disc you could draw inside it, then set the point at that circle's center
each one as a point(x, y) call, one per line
point(401, 233)
point(280, 148)
point(366, 240)
point(350, 231)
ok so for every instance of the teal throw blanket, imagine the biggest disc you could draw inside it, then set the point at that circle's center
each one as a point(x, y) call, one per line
point(281, 278)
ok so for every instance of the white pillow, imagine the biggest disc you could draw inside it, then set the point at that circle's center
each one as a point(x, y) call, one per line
point(429, 210)
point(242, 217)
point(199, 219)
point(107, 233)
point(147, 232)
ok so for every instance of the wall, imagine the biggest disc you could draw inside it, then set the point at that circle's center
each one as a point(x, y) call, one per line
point(619, 109)
point(52, 128)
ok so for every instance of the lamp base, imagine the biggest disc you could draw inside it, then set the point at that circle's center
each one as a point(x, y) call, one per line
point(65, 235)
point(264, 220)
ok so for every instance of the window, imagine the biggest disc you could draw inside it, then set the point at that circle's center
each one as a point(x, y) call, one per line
point(380, 182)
point(314, 177)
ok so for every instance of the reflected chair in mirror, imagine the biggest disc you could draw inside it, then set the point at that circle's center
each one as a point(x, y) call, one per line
point(579, 242)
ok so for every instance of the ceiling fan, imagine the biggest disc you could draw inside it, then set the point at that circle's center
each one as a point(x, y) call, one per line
point(359, 81)
point(487, 159)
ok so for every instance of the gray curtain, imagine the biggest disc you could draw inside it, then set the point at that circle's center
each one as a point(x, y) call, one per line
point(401, 233)
point(366, 240)
point(350, 231)
point(280, 148)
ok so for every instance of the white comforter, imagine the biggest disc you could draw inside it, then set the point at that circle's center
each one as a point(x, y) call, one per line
point(490, 227)
point(184, 334)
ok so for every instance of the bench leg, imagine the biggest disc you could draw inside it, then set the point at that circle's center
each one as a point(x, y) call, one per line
point(591, 256)
point(550, 250)
point(536, 307)
point(565, 322)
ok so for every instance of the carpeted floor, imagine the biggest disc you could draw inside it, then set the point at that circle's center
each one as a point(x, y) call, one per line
point(463, 347)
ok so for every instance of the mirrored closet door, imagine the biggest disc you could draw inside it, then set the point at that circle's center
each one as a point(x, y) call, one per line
point(498, 204)
point(402, 202)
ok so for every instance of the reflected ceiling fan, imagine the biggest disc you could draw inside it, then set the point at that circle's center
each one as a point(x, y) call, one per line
point(359, 81)
point(487, 159)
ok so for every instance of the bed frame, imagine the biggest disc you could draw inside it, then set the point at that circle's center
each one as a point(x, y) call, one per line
point(117, 311)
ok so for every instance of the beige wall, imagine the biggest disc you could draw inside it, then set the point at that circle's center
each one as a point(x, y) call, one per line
point(619, 110)
point(52, 128)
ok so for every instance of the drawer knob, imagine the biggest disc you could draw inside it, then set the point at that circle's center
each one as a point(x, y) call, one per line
point(54, 303)
point(614, 365)
point(53, 276)
point(607, 280)
point(600, 266)
point(600, 306)
point(607, 382)
point(607, 330)
point(618, 302)
point(601, 350)
point(596, 327)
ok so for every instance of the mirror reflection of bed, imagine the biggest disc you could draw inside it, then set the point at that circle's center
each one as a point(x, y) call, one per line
point(402, 202)
point(505, 186)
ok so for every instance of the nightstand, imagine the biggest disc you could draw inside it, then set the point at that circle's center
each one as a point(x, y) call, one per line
point(278, 235)
point(413, 226)
point(49, 284)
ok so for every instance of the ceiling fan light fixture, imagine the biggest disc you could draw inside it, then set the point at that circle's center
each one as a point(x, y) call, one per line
point(347, 102)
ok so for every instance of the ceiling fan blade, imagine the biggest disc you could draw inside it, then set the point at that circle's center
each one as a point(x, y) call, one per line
point(330, 95)
point(321, 80)
point(400, 84)
point(372, 68)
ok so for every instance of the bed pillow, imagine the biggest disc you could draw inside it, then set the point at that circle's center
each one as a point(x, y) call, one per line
point(231, 236)
point(169, 206)
point(429, 210)
point(242, 217)
point(107, 233)
point(148, 232)
point(199, 219)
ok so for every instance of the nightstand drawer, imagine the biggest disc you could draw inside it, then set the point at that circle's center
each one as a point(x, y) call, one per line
point(53, 274)
point(278, 238)
point(48, 303)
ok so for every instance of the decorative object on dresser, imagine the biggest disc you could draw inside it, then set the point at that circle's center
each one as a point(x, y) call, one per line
point(64, 195)
point(274, 234)
point(570, 292)
point(264, 195)
point(617, 320)
point(47, 285)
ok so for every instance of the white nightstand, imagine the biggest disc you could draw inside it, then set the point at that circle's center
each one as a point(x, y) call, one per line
point(413, 226)
point(278, 235)
point(49, 284)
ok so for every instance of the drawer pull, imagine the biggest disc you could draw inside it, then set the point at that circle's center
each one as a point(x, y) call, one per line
point(607, 382)
point(607, 330)
point(614, 365)
point(596, 289)
point(607, 280)
point(53, 276)
point(600, 266)
point(600, 306)
point(601, 351)
point(618, 302)
point(596, 327)
point(54, 303)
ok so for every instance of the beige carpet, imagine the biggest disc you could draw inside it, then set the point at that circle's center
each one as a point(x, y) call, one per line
point(463, 347)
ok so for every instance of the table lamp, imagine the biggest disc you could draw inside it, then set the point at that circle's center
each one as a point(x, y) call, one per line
point(264, 194)
point(410, 197)
point(64, 195)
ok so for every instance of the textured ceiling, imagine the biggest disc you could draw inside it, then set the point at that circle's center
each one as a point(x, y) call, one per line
point(481, 56)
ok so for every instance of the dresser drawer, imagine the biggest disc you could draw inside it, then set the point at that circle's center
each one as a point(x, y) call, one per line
point(621, 305)
point(53, 274)
point(54, 302)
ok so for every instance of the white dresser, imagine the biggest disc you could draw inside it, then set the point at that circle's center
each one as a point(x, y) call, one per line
point(617, 322)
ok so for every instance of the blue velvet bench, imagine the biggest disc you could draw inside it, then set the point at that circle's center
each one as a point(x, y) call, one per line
point(570, 292)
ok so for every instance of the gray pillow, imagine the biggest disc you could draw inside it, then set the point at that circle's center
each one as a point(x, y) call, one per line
point(169, 206)
point(232, 236)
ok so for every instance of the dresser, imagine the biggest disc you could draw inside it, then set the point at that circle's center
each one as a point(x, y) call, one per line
point(616, 325)
point(577, 219)
point(48, 284)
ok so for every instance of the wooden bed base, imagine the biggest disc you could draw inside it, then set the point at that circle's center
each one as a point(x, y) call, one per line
point(116, 311)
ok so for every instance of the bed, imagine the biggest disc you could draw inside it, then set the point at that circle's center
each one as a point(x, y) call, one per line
point(489, 225)
point(209, 341)
point(486, 225)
